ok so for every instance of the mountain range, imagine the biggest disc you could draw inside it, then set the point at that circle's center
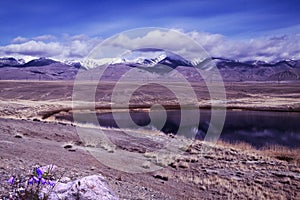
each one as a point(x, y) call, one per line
point(150, 60)
point(232, 70)
point(37, 69)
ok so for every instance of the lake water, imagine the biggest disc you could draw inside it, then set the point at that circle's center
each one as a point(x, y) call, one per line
point(257, 128)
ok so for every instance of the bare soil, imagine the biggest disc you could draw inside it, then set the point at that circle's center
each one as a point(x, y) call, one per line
point(222, 172)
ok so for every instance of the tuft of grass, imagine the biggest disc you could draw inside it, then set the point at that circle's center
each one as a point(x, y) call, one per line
point(237, 145)
point(165, 159)
point(283, 153)
point(68, 145)
point(146, 165)
point(97, 143)
point(183, 165)
point(18, 135)
point(91, 142)
point(290, 155)
point(107, 147)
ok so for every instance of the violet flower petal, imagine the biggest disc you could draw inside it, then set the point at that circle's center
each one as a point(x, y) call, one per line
point(43, 181)
point(11, 180)
point(39, 172)
point(36, 179)
point(51, 183)
point(30, 181)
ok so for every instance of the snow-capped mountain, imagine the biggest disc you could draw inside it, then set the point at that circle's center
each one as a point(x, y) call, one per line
point(89, 63)
point(150, 57)
point(11, 61)
point(145, 61)
point(146, 57)
point(40, 62)
point(37, 69)
point(234, 70)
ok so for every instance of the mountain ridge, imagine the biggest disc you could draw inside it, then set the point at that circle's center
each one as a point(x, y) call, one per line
point(231, 70)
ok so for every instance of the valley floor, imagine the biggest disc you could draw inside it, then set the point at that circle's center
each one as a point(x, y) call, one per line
point(219, 172)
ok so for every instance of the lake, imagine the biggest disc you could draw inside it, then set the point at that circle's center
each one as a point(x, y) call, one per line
point(258, 128)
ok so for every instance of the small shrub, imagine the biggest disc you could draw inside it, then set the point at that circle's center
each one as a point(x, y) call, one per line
point(284, 158)
point(146, 165)
point(287, 154)
point(30, 186)
point(68, 145)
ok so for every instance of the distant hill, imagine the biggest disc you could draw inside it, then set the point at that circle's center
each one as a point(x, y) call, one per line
point(6, 62)
point(38, 69)
point(231, 70)
point(148, 60)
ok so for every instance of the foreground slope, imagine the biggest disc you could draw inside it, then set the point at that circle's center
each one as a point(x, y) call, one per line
point(222, 172)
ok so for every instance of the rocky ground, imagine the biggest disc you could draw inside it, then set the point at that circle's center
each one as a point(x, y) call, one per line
point(219, 172)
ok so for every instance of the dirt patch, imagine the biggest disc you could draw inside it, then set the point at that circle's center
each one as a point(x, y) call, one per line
point(222, 172)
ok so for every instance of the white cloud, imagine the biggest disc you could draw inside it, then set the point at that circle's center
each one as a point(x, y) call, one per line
point(19, 39)
point(267, 49)
point(33, 48)
point(79, 46)
point(43, 46)
point(44, 38)
point(151, 38)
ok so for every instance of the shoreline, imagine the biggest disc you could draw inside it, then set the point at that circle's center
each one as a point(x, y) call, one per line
point(146, 108)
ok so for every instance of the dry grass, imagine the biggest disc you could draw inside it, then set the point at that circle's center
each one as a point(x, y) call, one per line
point(290, 155)
point(91, 142)
point(69, 144)
point(98, 143)
point(159, 159)
point(283, 153)
point(237, 145)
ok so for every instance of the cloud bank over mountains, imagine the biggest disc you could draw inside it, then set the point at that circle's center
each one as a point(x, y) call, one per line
point(270, 49)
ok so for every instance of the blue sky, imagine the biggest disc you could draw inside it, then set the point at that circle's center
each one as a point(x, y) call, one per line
point(235, 20)
point(241, 19)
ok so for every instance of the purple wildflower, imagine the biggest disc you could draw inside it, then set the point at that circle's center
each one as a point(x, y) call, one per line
point(39, 172)
point(36, 179)
point(51, 183)
point(11, 180)
point(43, 181)
point(30, 181)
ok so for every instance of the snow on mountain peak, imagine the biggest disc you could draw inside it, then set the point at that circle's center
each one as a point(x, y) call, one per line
point(145, 57)
point(149, 57)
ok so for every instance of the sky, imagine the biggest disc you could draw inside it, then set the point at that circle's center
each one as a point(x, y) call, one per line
point(70, 29)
